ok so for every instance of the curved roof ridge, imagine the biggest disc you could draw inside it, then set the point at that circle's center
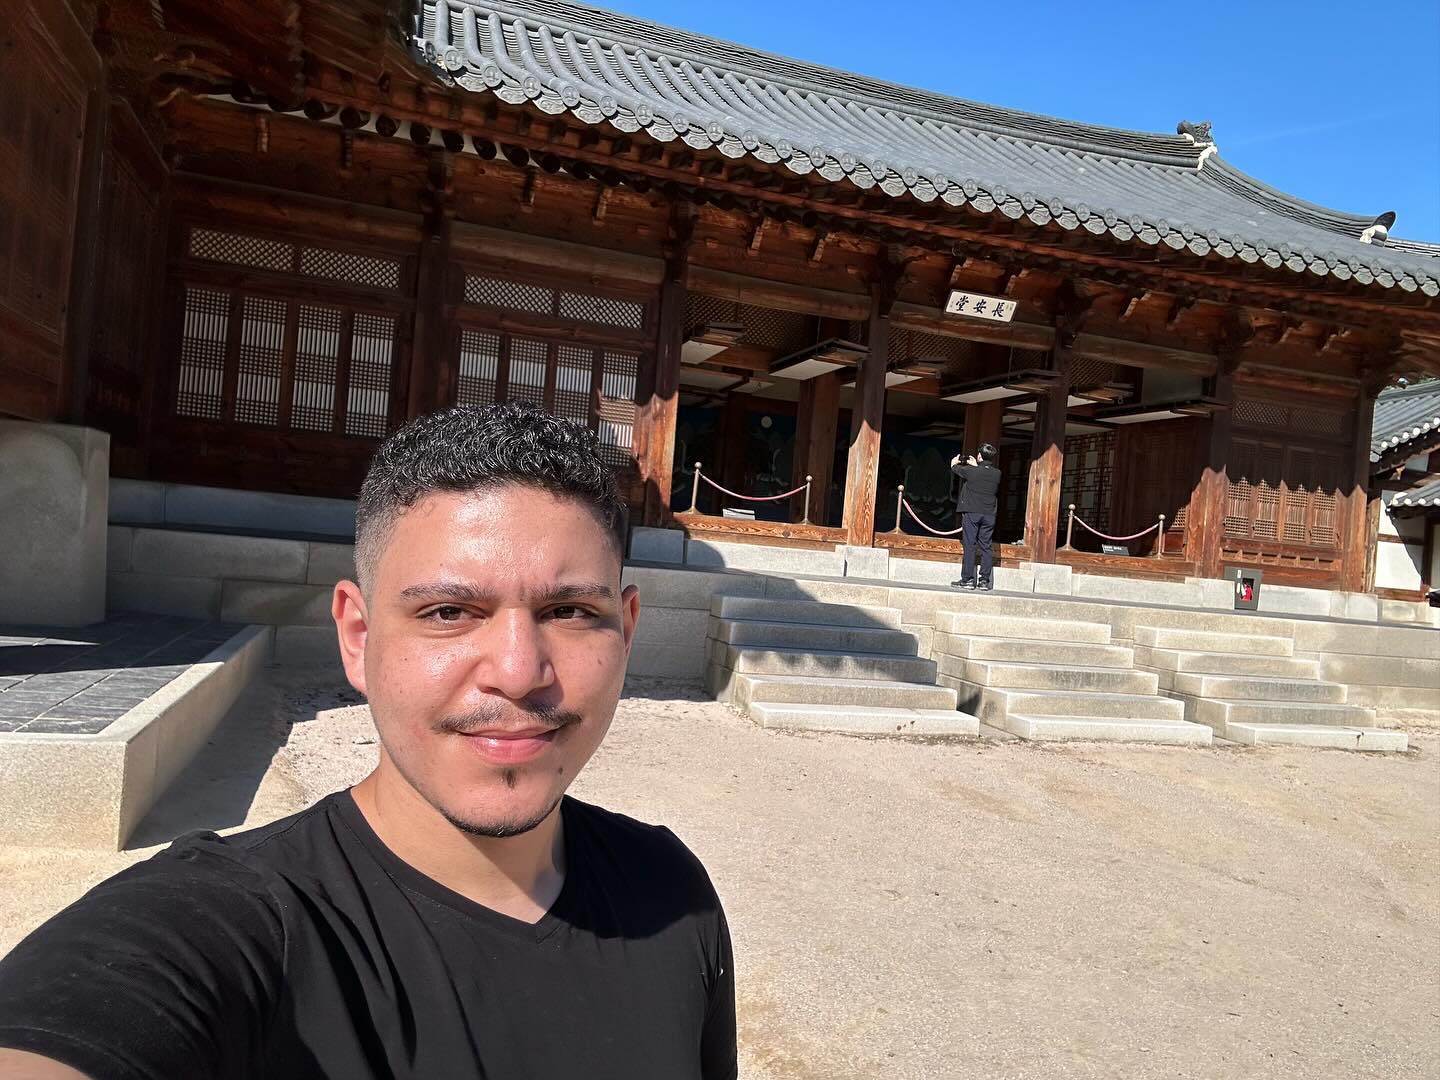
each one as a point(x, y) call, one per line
point(1282, 202)
point(808, 77)
point(1422, 248)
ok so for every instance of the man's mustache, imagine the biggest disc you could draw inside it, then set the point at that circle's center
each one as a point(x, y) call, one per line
point(507, 716)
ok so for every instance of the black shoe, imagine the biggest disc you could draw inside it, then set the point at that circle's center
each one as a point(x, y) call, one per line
point(985, 586)
point(962, 584)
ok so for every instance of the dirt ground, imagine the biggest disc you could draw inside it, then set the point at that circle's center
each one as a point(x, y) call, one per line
point(998, 910)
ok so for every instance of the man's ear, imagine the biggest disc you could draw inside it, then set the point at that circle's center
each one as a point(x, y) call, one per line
point(352, 628)
point(630, 613)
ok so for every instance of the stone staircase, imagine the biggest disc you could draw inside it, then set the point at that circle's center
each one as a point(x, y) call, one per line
point(1048, 678)
point(1250, 688)
point(806, 665)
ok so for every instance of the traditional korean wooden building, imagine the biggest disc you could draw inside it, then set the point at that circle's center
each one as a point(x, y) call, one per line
point(249, 237)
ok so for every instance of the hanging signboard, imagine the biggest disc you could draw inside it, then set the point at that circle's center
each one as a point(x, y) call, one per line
point(980, 306)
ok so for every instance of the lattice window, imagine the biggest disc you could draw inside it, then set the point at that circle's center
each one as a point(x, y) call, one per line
point(317, 357)
point(262, 350)
point(479, 368)
point(602, 309)
point(1087, 478)
point(517, 295)
point(529, 360)
point(372, 349)
point(376, 272)
point(574, 372)
point(617, 406)
point(909, 345)
point(240, 249)
point(203, 336)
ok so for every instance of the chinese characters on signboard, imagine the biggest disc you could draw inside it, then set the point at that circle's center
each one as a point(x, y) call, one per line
point(980, 306)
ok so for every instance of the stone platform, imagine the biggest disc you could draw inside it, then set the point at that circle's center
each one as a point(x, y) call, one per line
point(95, 723)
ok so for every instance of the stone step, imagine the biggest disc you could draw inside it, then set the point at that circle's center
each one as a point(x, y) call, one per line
point(796, 635)
point(1220, 663)
point(984, 624)
point(1338, 738)
point(1036, 652)
point(993, 704)
point(864, 720)
point(1107, 729)
point(1257, 689)
point(1018, 676)
point(1157, 637)
point(811, 612)
point(1220, 714)
point(821, 663)
point(787, 689)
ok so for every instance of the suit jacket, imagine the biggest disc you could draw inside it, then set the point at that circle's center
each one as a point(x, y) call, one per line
point(979, 488)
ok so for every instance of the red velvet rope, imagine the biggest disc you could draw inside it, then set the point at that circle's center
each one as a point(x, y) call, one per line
point(1118, 539)
point(752, 498)
point(906, 503)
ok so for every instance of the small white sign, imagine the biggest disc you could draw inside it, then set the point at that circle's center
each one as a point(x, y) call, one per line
point(980, 306)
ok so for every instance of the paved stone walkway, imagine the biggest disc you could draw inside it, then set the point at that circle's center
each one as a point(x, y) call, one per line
point(78, 682)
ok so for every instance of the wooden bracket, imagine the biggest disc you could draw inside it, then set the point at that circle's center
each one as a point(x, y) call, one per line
point(527, 191)
point(1178, 307)
point(602, 203)
point(822, 239)
point(262, 133)
point(1132, 301)
point(347, 150)
point(1236, 334)
point(1072, 308)
point(757, 235)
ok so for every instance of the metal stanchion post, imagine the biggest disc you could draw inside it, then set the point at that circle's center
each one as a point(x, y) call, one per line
point(1160, 539)
point(1069, 528)
point(695, 488)
point(805, 517)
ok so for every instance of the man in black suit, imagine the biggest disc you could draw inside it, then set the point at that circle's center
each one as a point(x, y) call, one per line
point(978, 503)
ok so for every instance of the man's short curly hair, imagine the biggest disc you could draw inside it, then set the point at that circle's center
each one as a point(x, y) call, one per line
point(473, 448)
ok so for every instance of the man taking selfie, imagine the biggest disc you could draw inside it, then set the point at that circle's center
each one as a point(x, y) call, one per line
point(977, 505)
point(455, 914)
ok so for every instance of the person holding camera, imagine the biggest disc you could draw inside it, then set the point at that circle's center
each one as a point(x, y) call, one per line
point(978, 504)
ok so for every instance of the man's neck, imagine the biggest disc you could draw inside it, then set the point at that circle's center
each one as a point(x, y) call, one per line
point(519, 876)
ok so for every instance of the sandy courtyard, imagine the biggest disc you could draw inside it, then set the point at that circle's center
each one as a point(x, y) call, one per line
point(996, 910)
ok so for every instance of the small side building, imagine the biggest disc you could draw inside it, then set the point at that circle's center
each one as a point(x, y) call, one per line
point(1405, 466)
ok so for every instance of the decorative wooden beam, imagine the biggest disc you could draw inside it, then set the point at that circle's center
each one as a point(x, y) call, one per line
point(817, 250)
point(602, 202)
point(1133, 301)
point(757, 235)
point(1178, 307)
point(527, 192)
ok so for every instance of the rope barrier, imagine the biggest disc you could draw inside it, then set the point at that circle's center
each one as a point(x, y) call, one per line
point(1116, 539)
point(805, 487)
point(906, 504)
point(1159, 537)
point(753, 498)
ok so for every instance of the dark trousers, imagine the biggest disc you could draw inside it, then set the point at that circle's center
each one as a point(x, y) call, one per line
point(979, 529)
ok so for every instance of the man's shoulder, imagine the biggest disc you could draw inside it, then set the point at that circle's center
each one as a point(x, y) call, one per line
point(637, 844)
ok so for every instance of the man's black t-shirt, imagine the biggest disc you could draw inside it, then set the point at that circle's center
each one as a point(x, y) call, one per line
point(308, 949)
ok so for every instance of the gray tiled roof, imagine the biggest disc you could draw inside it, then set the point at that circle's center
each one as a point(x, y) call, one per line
point(1403, 415)
point(602, 67)
point(1426, 496)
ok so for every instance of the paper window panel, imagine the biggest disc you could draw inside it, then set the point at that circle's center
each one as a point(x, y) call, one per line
point(262, 350)
point(203, 336)
point(479, 368)
point(372, 349)
point(317, 359)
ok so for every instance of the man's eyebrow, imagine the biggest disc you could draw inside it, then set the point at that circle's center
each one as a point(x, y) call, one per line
point(467, 593)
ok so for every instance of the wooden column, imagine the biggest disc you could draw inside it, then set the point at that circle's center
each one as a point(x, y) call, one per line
point(815, 426)
point(1047, 464)
point(1205, 517)
point(659, 397)
point(983, 423)
point(432, 367)
point(1357, 537)
point(867, 417)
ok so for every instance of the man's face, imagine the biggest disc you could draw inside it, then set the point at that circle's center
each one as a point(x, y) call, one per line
point(493, 650)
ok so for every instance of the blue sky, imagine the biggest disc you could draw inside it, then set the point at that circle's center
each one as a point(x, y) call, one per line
point(1337, 103)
